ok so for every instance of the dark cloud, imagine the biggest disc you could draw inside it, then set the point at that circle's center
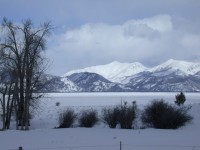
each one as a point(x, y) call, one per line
point(78, 12)
point(91, 32)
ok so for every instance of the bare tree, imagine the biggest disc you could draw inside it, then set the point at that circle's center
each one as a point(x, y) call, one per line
point(6, 99)
point(21, 48)
point(3, 91)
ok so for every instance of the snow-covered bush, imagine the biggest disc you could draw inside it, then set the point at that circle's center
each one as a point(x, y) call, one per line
point(127, 114)
point(123, 115)
point(110, 116)
point(162, 115)
point(88, 118)
point(67, 118)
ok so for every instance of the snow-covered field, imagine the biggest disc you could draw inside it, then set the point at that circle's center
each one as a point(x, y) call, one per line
point(42, 135)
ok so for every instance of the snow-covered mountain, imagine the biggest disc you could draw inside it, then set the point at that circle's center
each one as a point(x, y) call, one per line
point(172, 75)
point(165, 82)
point(92, 82)
point(114, 72)
point(58, 84)
point(182, 67)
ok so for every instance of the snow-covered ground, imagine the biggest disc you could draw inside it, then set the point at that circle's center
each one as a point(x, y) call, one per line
point(43, 135)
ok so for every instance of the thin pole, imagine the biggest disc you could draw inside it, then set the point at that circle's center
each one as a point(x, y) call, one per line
point(120, 145)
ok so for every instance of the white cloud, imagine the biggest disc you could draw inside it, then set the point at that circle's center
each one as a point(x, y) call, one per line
point(147, 40)
point(159, 23)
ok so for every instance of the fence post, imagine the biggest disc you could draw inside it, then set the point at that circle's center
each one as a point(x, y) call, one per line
point(20, 148)
point(120, 145)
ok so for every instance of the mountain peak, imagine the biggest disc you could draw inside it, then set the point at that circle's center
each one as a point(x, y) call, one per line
point(114, 71)
point(117, 72)
point(187, 68)
point(172, 75)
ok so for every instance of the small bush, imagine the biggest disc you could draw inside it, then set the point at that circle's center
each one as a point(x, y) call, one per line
point(110, 116)
point(67, 118)
point(180, 99)
point(122, 115)
point(57, 103)
point(88, 118)
point(161, 115)
point(126, 115)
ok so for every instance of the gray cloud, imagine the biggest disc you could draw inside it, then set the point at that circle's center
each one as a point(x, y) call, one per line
point(70, 13)
point(93, 32)
point(148, 40)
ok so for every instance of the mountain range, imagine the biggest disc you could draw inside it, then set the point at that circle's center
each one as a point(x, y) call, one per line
point(170, 76)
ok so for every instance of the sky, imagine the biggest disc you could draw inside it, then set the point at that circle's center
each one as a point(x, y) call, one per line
point(97, 32)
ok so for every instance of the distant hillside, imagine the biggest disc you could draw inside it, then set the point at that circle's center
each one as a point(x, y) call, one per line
point(170, 76)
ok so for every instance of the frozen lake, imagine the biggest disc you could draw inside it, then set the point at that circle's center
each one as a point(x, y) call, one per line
point(101, 99)
point(98, 101)
point(43, 136)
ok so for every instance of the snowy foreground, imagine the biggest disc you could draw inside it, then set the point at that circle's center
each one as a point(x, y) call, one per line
point(43, 136)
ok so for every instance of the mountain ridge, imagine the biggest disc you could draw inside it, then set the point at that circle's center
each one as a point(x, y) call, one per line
point(117, 72)
point(114, 71)
point(189, 68)
point(170, 76)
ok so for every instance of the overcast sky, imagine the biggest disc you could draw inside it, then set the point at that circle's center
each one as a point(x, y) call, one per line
point(94, 32)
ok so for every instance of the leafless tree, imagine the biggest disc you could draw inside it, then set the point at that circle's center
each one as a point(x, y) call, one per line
point(7, 101)
point(21, 47)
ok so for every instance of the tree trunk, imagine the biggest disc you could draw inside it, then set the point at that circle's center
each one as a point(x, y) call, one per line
point(16, 115)
point(4, 108)
point(4, 113)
